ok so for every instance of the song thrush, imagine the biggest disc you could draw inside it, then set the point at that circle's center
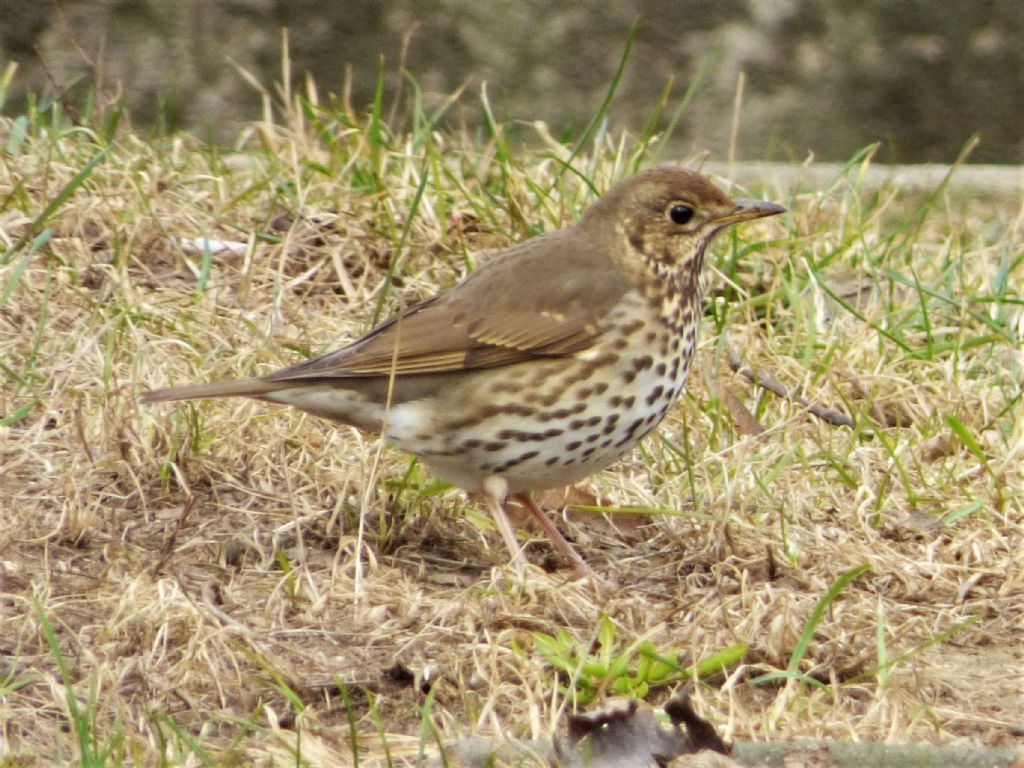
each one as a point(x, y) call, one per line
point(543, 366)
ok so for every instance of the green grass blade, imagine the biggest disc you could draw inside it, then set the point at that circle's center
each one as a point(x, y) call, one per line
point(684, 102)
point(5, 82)
point(389, 276)
point(819, 613)
point(194, 747)
point(602, 111)
point(940, 638)
point(69, 189)
point(79, 722)
point(21, 266)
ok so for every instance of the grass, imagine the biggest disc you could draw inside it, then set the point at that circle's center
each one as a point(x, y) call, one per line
point(227, 583)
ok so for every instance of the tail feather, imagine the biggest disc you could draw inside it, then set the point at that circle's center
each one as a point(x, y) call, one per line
point(231, 388)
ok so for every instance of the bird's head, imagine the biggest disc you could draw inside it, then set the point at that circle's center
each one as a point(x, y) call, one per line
point(668, 215)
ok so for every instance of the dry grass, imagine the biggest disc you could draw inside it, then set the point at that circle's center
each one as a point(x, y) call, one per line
point(203, 570)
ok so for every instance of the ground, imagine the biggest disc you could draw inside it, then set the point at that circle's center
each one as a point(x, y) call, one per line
point(231, 579)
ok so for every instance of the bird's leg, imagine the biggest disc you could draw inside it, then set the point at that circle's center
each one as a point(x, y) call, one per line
point(557, 539)
point(495, 492)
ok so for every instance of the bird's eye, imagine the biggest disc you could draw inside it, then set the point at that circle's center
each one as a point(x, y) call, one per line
point(679, 213)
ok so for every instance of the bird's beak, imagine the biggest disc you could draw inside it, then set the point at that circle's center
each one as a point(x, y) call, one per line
point(746, 210)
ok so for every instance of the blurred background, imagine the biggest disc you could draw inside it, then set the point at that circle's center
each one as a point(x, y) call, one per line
point(820, 77)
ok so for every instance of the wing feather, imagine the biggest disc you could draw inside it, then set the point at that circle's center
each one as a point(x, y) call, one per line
point(544, 298)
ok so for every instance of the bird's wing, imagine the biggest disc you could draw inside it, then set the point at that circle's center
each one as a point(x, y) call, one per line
point(546, 297)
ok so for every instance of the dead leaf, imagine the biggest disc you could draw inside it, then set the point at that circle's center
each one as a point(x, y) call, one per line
point(559, 498)
point(938, 447)
point(746, 423)
point(622, 734)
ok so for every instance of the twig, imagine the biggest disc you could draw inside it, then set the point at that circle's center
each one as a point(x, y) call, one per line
point(62, 94)
point(209, 601)
point(168, 548)
point(769, 382)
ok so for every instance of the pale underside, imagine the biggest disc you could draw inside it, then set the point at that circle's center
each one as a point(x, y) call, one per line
point(582, 413)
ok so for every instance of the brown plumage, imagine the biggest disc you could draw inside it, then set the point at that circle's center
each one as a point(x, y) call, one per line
point(543, 366)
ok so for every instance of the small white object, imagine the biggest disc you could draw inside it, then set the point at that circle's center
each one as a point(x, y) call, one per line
point(201, 245)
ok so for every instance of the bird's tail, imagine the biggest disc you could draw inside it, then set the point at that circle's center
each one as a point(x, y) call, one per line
point(233, 388)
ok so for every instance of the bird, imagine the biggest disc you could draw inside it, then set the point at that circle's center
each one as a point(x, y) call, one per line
point(545, 365)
